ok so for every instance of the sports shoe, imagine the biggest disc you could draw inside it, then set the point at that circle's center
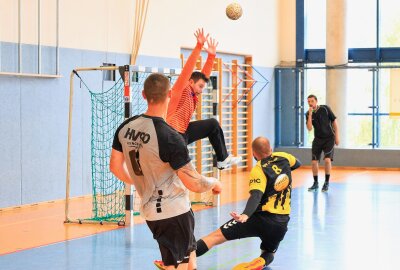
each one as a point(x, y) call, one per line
point(256, 264)
point(325, 187)
point(314, 187)
point(228, 162)
point(159, 264)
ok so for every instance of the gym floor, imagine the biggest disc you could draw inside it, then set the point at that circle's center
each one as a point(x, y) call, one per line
point(353, 226)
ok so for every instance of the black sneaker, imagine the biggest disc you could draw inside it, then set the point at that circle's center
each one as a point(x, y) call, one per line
point(314, 187)
point(325, 187)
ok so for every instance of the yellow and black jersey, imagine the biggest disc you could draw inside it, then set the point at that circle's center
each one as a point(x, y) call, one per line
point(272, 176)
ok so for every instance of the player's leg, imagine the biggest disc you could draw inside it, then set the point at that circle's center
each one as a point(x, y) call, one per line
point(316, 151)
point(328, 158)
point(209, 241)
point(231, 230)
point(276, 228)
point(190, 265)
point(187, 264)
point(175, 237)
point(192, 261)
point(181, 266)
point(210, 128)
point(271, 231)
point(267, 256)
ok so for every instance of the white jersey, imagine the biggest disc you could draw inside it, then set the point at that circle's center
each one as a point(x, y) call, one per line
point(153, 152)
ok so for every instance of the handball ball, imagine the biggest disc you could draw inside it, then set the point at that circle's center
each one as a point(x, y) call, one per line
point(281, 182)
point(234, 11)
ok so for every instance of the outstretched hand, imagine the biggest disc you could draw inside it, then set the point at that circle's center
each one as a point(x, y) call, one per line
point(211, 46)
point(239, 218)
point(201, 38)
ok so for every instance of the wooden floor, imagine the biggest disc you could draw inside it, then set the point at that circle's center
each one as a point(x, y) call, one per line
point(24, 229)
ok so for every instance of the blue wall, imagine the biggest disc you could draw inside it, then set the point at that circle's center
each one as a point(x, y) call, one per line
point(263, 104)
point(34, 121)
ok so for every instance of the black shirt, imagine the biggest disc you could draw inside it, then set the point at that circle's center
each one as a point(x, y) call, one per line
point(322, 120)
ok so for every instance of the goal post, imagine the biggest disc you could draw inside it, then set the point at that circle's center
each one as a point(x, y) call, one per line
point(113, 201)
point(102, 198)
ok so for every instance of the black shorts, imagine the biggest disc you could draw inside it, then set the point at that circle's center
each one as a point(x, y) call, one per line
point(175, 237)
point(270, 228)
point(322, 144)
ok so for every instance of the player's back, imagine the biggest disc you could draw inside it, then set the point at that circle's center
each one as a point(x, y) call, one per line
point(153, 151)
point(277, 169)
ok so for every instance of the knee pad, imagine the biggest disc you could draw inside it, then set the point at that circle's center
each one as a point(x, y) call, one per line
point(201, 248)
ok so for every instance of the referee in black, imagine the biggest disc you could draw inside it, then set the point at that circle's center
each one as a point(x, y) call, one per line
point(326, 135)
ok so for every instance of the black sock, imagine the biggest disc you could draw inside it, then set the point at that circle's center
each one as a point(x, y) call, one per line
point(201, 248)
point(327, 178)
point(268, 257)
point(315, 178)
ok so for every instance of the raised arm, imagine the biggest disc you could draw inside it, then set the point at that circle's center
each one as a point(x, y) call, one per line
point(211, 50)
point(187, 70)
point(309, 119)
point(196, 182)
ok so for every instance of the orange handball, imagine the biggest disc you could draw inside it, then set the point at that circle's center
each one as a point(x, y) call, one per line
point(234, 11)
point(281, 182)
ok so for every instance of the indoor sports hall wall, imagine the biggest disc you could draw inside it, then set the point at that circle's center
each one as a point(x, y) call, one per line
point(106, 25)
point(34, 111)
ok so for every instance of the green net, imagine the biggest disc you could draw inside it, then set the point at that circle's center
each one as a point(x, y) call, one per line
point(108, 192)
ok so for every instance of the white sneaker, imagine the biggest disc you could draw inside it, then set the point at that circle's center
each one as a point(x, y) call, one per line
point(228, 162)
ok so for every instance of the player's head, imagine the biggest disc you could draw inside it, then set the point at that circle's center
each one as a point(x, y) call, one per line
point(261, 148)
point(198, 81)
point(156, 89)
point(312, 101)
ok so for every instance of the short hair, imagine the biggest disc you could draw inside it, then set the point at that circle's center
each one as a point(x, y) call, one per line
point(261, 146)
point(312, 96)
point(197, 75)
point(156, 88)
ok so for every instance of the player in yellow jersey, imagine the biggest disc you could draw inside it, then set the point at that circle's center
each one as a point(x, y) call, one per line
point(266, 214)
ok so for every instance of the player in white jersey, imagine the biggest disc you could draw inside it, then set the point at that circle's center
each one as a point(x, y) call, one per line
point(152, 156)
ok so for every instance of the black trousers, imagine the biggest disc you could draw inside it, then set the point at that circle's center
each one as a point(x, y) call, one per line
point(323, 144)
point(175, 237)
point(271, 228)
point(210, 128)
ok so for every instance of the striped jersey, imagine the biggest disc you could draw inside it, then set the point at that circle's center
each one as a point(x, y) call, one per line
point(183, 100)
point(180, 119)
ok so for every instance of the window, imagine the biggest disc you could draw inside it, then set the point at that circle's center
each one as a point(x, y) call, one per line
point(389, 126)
point(390, 23)
point(361, 24)
point(369, 124)
point(315, 21)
